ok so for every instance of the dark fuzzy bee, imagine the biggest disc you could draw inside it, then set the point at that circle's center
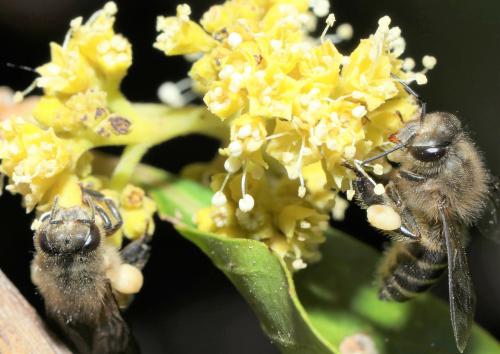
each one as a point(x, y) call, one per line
point(440, 187)
point(69, 271)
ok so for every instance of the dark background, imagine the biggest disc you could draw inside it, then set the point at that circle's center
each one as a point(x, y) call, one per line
point(187, 306)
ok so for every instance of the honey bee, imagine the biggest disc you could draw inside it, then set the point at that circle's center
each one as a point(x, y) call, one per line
point(439, 187)
point(69, 270)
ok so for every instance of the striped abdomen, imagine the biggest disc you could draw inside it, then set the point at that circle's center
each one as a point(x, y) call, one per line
point(410, 269)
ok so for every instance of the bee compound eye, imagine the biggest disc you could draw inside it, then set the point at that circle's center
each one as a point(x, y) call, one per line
point(44, 243)
point(428, 153)
point(93, 239)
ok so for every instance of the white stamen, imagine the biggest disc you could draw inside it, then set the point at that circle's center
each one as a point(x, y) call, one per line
point(110, 8)
point(302, 191)
point(394, 33)
point(176, 94)
point(359, 111)
point(398, 46)
point(429, 62)
point(408, 64)
point(235, 148)
point(378, 169)
point(330, 21)
point(384, 22)
point(379, 189)
point(339, 209)
point(246, 203)
point(170, 94)
point(320, 8)
point(244, 180)
point(421, 79)
point(224, 183)
point(245, 131)
point(232, 164)
point(299, 264)
point(183, 12)
point(219, 199)
point(19, 96)
point(344, 31)
point(234, 39)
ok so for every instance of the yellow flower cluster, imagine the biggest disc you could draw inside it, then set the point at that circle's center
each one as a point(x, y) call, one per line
point(91, 55)
point(33, 158)
point(46, 153)
point(293, 103)
point(82, 74)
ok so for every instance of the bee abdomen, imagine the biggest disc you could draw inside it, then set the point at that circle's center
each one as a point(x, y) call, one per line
point(410, 270)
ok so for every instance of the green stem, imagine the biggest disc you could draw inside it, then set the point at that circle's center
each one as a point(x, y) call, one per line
point(153, 124)
point(129, 160)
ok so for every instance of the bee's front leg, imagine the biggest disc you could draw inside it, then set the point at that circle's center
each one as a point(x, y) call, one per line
point(110, 226)
point(364, 186)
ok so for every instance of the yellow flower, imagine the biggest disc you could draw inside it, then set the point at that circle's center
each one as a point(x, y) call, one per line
point(109, 53)
point(67, 73)
point(33, 158)
point(137, 211)
point(91, 56)
point(369, 75)
point(292, 226)
point(179, 35)
point(272, 93)
point(49, 155)
point(297, 109)
point(82, 110)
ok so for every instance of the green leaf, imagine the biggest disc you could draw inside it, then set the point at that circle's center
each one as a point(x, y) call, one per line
point(341, 300)
point(337, 296)
point(267, 286)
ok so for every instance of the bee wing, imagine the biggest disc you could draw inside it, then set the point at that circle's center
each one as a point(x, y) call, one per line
point(112, 334)
point(488, 225)
point(461, 292)
point(107, 333)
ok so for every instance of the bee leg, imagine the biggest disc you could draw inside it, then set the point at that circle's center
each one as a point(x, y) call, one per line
point(106, 220)
point(409, 228)
point(411, 176)
point(366, 196)
point(116, 214)
point(109, 227)
point(137, 252)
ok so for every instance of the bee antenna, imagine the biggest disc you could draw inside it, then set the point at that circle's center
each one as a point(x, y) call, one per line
point(91, 204)
point(54, 208)
point(420, 102)
point(387, 152)
point(20, 67)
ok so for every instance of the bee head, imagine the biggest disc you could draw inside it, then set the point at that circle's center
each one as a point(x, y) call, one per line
point(66, 231)
point(430, 139)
